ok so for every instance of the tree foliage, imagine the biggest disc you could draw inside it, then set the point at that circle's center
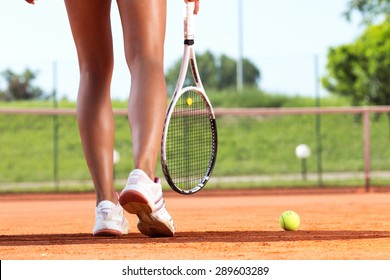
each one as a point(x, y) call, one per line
point(369, 9)
point(217, 72)
point(361, 69)
point(20, 86)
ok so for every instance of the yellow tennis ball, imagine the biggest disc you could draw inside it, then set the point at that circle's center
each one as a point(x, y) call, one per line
point(289, 220)
point(189, 101)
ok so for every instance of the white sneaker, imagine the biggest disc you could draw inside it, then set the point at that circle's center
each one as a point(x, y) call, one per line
point(110, 220)
point(143, 197)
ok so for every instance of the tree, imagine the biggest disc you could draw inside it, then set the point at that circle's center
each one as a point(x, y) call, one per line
point(216, 72)
point(251, 74)
point(361, 69)
point(19, 86)
point(369, 9)
point(343, 70)
point(207, 65)
point(375, 46)
point(227, 72)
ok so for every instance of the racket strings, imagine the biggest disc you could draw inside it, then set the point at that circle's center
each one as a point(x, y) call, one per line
point(190, 140)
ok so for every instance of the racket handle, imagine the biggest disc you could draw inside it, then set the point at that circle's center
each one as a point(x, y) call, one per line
point(189, 21)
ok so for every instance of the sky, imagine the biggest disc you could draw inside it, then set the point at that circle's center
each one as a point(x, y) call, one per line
point(282, 38)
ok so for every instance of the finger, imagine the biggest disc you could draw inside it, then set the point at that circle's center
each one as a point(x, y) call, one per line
point(196, 8)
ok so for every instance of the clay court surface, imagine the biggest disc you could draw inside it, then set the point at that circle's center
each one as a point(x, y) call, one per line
point(336, 224)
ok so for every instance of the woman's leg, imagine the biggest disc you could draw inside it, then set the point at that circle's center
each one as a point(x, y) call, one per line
point(91, 29)
point(143, 25)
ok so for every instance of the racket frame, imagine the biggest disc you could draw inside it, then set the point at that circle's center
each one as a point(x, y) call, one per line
point(189, 59)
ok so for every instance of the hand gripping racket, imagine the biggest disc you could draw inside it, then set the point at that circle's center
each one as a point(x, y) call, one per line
point(189, 144)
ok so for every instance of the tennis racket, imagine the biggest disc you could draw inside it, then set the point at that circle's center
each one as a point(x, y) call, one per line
point(189, 144)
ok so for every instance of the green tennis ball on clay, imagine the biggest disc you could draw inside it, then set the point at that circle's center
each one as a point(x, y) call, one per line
point(289, 220)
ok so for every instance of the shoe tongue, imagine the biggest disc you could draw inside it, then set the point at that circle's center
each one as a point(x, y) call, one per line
point(106, 204)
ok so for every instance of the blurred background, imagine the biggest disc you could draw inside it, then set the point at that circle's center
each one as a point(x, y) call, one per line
point(252, 54)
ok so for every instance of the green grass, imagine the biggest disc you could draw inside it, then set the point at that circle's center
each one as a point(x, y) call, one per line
point(267, 145)
point(247, 145)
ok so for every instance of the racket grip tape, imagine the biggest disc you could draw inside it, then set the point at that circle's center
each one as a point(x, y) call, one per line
point(189, 21)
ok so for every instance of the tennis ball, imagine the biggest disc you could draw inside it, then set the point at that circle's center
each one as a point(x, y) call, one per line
point(289, 220)
point(189, 101)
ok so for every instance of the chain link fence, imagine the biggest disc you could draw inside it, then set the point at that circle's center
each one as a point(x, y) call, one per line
point(349, 147)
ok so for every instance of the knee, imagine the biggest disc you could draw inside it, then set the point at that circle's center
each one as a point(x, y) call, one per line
point(97, 69)
point(141, 57)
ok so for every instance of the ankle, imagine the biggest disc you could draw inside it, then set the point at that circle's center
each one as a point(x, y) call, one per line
point(113, 197)
point(150, 172)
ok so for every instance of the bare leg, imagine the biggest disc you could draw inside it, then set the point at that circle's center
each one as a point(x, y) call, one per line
point(143, 25)
point(91, 29)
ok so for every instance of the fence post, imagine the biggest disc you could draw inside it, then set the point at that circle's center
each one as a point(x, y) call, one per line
point(318, 121)
point(55, 130)
point(367, 148)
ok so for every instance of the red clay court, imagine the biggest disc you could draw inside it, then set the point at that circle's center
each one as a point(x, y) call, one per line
point(335, 224)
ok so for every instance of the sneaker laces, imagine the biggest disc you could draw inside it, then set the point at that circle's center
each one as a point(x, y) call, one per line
point(109, 211)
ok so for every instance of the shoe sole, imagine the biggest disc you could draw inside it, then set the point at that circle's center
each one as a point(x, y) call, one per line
point(135, 203)
point(107, 232)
